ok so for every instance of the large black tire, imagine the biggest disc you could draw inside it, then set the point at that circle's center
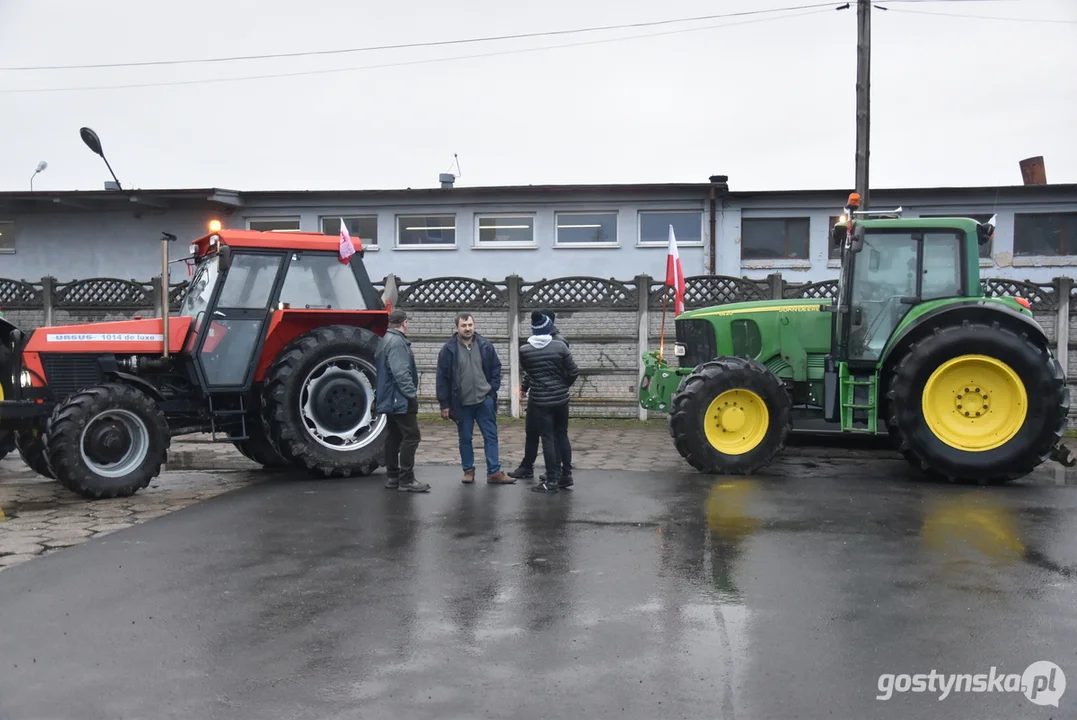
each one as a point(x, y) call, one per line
point(82, 466)
point(688, 415)
point(1045, 422)
point(7, 443)
point(31, 446)
point(258, 447)
point(338, 398)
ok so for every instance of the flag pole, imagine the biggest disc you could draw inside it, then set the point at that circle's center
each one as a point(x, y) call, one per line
point(662, 336)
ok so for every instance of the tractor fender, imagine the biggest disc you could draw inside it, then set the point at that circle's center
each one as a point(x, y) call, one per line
point(140, 383)
point(972, 310)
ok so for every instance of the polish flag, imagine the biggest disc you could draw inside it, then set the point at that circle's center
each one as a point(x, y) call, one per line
point(675, 274)
point(347, 247)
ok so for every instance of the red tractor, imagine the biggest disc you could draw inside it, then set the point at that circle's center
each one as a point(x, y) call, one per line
point(272, 350)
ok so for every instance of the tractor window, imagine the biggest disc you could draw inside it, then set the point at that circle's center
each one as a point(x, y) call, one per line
point(321, 281)
point(200, 289)
point(250, 281)
point(883, 273)
point(942, 265)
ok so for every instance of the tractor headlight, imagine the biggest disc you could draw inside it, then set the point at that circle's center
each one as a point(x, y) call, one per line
point(25, 380)
point(679, 350)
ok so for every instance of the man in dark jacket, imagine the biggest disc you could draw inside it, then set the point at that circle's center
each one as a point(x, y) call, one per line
point(526, 469)
point(549, 372)
point(397, 395)
point(468, 378)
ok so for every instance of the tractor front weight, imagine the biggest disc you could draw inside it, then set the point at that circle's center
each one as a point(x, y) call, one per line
point(659, 382)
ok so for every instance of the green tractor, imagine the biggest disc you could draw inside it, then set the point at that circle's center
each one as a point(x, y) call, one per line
point(965, 385)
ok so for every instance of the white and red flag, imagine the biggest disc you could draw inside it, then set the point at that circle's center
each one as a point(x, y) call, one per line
point(675, 274)
point(347, 247)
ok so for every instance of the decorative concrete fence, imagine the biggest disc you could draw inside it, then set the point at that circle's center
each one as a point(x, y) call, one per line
point(608, 322)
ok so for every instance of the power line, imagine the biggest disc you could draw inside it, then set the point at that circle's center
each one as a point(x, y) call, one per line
point(980, 17)
point(409, 62)
point(433, 43)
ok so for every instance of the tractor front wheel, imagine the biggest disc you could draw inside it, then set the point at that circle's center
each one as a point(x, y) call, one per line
point(107, 441)
point(319, 403)
point(31, 446)
point(730, 416)
point(977, 403)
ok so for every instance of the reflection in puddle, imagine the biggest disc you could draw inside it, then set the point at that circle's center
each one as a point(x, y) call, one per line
point(953, 525)
point(731, 524)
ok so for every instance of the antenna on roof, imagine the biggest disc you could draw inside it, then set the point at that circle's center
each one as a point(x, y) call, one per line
point(447, 178)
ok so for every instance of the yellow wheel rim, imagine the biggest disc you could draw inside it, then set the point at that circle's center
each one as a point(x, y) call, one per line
point(736, 422)
point(974, 403)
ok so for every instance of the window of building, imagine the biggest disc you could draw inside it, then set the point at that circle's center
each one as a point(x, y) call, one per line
point(360, 227)
point(7, 236)
point(586, 228)
point(426, 231)
point(285, 224)
point(506, 230)
point(985, 249)
point(774, 238)
point(1045, 234)
point(321, 281)
point(654, 227)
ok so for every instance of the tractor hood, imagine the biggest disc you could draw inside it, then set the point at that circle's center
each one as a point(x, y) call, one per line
point(763, 306)
point(128, 337)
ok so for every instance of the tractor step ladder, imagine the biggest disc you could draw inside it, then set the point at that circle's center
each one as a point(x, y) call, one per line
point(858, 392)
point(214, 414)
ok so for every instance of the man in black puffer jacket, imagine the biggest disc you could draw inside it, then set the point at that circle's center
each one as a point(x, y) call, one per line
point(549, 372)
point(526, 468)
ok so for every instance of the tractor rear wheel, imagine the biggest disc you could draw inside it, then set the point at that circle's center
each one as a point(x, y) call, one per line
point(31, 446)
point(978, 403)
point(7, 443)
point(258, 447)
point(107, 441)
point(319, 403)
point(730, 416)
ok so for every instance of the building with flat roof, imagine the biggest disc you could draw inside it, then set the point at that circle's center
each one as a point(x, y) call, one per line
point(547, 231)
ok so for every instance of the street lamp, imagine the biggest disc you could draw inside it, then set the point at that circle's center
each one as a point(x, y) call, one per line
point(40, 168)
point(94, 143)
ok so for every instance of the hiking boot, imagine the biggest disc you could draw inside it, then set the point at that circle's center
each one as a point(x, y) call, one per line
point(413, 486)
point(500, 478)
point(544, 487)
point(469, 476)
point(392, 482)
point(522, 473)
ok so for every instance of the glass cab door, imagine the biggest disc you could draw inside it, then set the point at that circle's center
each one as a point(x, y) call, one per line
point(234, 324)
point(892, 272)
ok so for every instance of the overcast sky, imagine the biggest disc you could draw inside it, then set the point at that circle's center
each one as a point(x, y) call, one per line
point(955, 100)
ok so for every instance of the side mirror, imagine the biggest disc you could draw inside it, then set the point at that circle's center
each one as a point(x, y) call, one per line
point(857, 243)
point(224, 258)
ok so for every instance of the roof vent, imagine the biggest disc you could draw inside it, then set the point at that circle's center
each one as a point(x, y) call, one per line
point(446, 180)
point(112, 185)
point(719, 178)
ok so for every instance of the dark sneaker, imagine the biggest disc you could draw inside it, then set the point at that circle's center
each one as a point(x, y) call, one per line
point(413, 486)
point(544, 488)
point(522, 473)
point(500, 478)
point(564, 482)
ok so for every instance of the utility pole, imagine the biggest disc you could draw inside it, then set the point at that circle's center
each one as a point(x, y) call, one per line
point(863, 97)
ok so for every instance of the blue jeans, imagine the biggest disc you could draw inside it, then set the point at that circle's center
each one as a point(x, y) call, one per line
point(485, 413)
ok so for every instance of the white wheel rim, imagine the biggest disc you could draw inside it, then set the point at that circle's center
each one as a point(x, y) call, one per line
point(369, 424)
point(136, 453)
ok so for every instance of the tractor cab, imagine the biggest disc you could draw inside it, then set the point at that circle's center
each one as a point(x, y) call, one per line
point(889, 265)
point(242, 278)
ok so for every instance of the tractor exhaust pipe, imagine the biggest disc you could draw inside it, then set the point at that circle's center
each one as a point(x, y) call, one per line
point(165, 303)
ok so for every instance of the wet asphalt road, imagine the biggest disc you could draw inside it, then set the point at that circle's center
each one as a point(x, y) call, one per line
point(636, 595)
